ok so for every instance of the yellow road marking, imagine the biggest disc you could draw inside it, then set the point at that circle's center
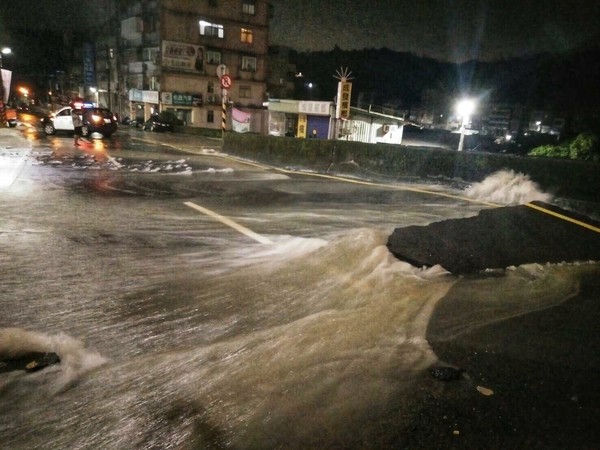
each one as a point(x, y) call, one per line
point(420, 191)
point(404, 188)
point(563, 217)
point(236, 226)
point(361, 182)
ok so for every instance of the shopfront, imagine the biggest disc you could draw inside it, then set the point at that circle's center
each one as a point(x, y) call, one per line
point(142, 104)
point(302, 119)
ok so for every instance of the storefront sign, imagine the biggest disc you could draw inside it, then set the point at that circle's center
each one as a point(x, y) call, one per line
point(314, 108)
point(186, 99)
point(181, 56)
point(89, 64)
point(166, 98)
point(136, 95)
point(5, 80)
point(301, 126)
point(342, 110)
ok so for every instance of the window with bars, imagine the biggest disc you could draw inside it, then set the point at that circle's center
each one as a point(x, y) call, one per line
point(211, 29)
point(249, 7)
point(249, 63)
point(213, 57)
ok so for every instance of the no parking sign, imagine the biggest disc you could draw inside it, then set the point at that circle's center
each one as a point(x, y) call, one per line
point(226, 81)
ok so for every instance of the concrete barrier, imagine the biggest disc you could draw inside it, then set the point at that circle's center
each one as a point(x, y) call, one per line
point(571, 179)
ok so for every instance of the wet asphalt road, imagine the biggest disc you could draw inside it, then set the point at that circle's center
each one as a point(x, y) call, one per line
point(543, 367)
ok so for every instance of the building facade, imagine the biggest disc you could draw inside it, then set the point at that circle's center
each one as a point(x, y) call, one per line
point(173, 52)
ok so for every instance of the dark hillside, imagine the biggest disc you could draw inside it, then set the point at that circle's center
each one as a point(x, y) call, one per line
point(564, 83)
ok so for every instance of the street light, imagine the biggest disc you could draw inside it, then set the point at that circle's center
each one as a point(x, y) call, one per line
point(464, 108)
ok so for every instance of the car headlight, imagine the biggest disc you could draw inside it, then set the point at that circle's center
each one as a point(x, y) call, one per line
point(96, 118)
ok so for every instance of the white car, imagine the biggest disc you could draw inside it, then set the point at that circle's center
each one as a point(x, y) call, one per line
point(95, 120)
point(59, 121)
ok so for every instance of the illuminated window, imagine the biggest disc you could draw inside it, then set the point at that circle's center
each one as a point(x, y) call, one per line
point(213, 57)
point(245, 91)
point(249, 7)
point(247, 36)
point(249, 63)
point(211, 29)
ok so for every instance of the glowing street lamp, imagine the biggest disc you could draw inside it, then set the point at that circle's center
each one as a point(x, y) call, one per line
point(464, 108)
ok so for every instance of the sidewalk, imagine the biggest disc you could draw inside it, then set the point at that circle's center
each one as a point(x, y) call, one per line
point(13, 139)
point(14, 149)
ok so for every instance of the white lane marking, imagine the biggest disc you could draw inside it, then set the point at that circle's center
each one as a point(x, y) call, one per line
point(236, 226)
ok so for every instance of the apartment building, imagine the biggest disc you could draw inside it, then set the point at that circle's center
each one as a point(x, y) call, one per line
point(171, 52)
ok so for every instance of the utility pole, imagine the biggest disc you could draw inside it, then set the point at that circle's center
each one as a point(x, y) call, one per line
point(109, 57)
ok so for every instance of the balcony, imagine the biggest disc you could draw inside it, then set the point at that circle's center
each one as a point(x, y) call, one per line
point(246, 74)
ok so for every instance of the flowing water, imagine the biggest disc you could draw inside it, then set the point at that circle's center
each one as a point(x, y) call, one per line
point(304, 343)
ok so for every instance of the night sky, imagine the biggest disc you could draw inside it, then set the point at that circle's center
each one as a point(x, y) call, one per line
point(33, 29)
point(448, 30)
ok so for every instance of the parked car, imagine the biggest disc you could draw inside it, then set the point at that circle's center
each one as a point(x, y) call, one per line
point(138, 122)
point(155, 124)
point(163, 121)
point(95, 120)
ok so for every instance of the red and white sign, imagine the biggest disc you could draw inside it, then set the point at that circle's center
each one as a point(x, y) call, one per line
point(226, 81)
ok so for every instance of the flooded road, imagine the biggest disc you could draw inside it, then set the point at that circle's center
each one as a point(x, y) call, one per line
point(176, 330)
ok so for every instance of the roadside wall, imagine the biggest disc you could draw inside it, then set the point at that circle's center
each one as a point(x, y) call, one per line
point(564, 178)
